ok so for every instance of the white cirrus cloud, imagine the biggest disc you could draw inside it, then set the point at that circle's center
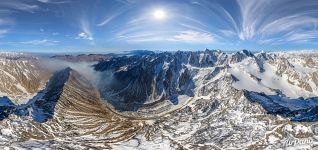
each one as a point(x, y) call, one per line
point(53, 1)
point(86, 32)
point(301, 36)
point(3, 32)
point(84, 35)
point(55, 33)
point(44, 42)
point(111, 17)
point(262, 21)
point(6, 21)
point(44, 1)
point(265, 19)
point(128, 2)
point(193, 37)
point(27, 6)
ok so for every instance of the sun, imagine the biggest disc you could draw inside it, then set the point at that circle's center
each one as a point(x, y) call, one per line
point(159, 14)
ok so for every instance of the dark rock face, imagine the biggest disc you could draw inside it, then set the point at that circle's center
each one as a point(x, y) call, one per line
point(300, 109)
point(259, 58)
point(42, 104)
point(154, 77)
point(239, 56)
point(6, 107)
point(43, 108)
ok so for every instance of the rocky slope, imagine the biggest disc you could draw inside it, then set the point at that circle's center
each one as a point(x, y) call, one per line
point(181, 100)
point(21, 76)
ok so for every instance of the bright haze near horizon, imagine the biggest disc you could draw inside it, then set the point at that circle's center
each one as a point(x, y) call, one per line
point(101, 26)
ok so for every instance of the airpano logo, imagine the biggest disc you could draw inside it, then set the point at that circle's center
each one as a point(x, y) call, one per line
point(293, 142)
point(314, 129)
point(311, 141)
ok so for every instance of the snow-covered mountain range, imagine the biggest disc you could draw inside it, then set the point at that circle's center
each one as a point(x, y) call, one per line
point(189, 100)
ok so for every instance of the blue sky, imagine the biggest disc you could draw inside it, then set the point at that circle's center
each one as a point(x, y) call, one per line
point(117, 25)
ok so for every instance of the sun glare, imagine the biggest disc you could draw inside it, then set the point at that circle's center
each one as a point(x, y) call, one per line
point(159, 14)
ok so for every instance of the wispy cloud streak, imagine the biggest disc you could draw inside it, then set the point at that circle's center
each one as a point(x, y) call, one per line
point(266, 19)
point(194, 37)
point(18, 5)
point(43, 42)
